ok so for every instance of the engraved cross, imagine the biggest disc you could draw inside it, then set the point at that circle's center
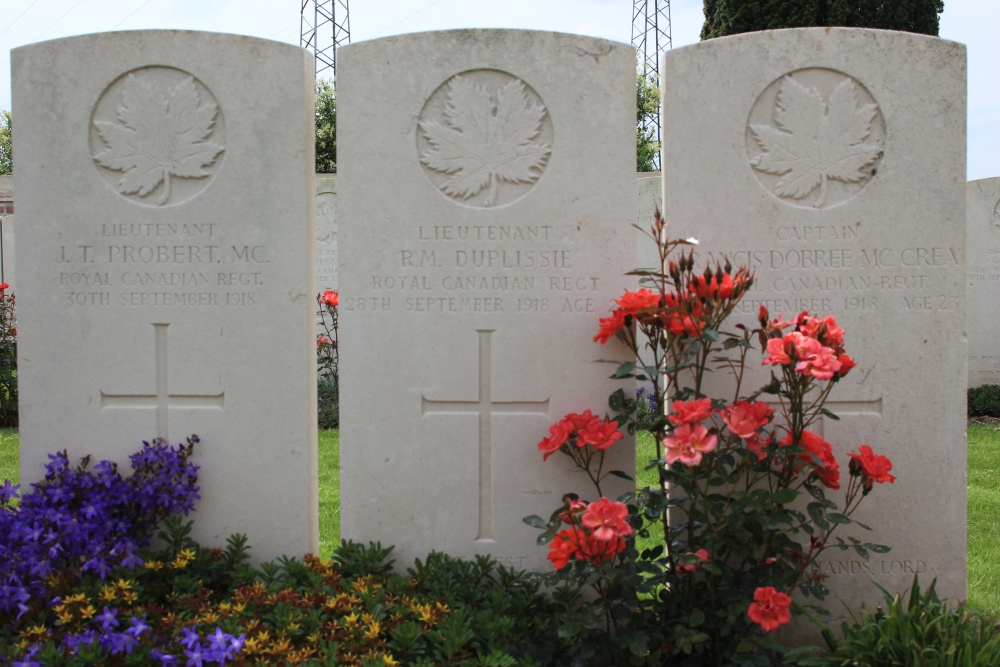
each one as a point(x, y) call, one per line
point(842, 409)
point(162, 400)
point(485, 407)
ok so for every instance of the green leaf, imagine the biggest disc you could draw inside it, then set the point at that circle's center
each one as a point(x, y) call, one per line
point(815, 492)
point(785, 496)
point(544, 539)
point(623, 475)
point(624, 371)
point(834, 517)
point(877, 548)
point(861, 551)
point(617, 400)
point(818, 515)
point(536, 521)
point(696, 618)
point(829, 414)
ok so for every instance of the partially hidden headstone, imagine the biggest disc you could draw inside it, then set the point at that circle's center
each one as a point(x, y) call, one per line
point(7, 253)
point(983, 234)
point(832, 162)
point(326, 232)
point(165, 260)
point(472, 287)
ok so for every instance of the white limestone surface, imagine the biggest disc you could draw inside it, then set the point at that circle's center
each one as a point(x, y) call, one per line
point(983, 287)
point(326, 232)
point(165, 256)
point(832, 161)
point(471, 288)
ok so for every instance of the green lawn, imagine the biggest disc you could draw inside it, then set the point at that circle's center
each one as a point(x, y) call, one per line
point(329, 492)
point(983, 494)
point(984, 517)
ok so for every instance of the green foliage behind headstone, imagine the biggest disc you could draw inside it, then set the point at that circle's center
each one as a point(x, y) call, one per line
point(730, 17)
point(326, 127)
point(6, 157)
point(647, 107)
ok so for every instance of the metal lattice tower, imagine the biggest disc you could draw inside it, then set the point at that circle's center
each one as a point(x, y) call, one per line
point(326, 24)
point(651, 38)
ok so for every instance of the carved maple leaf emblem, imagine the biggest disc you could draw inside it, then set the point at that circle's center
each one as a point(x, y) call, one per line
point(816, 139)
point(158, 135)
point(487, 139)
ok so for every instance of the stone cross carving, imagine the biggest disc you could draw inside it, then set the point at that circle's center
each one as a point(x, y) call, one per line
point(485, 407)
point(162, 400)
point(841, 408)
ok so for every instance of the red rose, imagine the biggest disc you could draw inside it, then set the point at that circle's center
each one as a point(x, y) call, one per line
point(769, 608)
point(691, 412)
point(828, 470)
point(610, 326)
point(744, 418)
point(873, 468)
point(607, 519)
point(330, 298)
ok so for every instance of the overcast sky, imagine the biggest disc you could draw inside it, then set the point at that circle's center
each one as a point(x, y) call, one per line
point(972, 22)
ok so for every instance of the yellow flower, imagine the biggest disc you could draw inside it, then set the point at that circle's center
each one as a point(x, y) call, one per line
point(129, 596)
point(79, 597)
point(65, 615)
point(351, 619)
point(183, 558)
point(239, 607)
point(251, 646)
point(123, 585)
point(373, 630)
point(154, 565)
point(87, 611)
point(107, 593)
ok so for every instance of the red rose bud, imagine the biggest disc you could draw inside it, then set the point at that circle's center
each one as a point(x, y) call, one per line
point(762, 315)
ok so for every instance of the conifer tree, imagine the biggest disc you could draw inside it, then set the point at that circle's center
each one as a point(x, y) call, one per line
point(729, 17)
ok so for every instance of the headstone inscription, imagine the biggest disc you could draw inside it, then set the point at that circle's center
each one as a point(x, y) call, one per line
point(832, 162)
point(473, 287)
point(326, 232)
point(983, 287)
point(647, 195)
point(185, 304)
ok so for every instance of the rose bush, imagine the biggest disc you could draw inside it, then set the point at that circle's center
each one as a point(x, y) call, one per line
point(740, 512)
point(328, 360)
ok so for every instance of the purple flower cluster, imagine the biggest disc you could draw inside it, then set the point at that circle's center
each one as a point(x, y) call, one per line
point(88, 520)
point(218, 648)
point(107, 634)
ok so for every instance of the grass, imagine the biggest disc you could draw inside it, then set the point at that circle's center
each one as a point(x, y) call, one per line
point(983, 495)
point(329, 492)
point(9, 456)
point(984, 517)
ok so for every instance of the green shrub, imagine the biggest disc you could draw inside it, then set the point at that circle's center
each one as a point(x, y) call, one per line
point(8, 361)
point(328, 361)
point(920, 632)
point(352, 610)
point(984, 401)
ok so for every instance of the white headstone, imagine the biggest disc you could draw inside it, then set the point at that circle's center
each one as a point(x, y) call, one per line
point(472, 288)
point(165, 253)
point(832, 162)
point(983, 235)
point(7, 253)
point(326, 232)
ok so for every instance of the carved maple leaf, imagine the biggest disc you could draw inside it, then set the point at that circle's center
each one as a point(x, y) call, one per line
point(816, 139)
point(487, 139)
point(158, 135)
